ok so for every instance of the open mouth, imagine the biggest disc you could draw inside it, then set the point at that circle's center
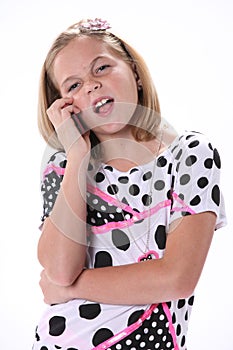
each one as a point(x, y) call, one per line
point(102, 105)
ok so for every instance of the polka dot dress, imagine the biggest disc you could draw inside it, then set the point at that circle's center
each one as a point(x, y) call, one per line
point(122, 207)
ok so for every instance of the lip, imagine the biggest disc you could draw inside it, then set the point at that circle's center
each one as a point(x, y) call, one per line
point(106, 112)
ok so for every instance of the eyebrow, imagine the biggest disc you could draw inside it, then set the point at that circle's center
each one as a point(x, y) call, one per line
point(72, 77)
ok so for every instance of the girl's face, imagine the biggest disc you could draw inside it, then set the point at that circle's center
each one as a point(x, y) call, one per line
point(102, 85)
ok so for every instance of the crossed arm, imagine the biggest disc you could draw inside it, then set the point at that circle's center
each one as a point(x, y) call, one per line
point(172, 277)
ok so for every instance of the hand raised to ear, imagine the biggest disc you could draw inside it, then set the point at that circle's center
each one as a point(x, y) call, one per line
point(60, 114)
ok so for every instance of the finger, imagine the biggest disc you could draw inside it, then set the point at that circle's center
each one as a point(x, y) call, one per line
point(59, 104)
point(60, 109)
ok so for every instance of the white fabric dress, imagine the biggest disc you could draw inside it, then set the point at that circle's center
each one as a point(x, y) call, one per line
point(120, 213)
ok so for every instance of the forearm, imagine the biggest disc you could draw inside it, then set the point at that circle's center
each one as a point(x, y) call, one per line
point(62, 245)
point(138, 283)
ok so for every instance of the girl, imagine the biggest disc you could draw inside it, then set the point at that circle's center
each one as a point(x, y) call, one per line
point(130, 207)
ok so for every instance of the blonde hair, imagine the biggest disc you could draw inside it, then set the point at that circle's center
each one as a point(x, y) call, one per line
point(146, 120)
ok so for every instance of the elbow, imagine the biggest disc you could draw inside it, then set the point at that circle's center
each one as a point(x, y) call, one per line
point(59, 271)
point(184, 285)
point(174, 283)
point(61, 277)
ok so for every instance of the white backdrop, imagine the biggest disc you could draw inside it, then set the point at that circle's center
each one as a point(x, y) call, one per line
point(188, 47)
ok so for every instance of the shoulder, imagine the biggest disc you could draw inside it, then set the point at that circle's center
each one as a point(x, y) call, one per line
point(195, 145)
point(53, 163)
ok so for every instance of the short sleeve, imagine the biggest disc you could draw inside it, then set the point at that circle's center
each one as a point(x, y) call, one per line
point(51, 181)
point(196, 178)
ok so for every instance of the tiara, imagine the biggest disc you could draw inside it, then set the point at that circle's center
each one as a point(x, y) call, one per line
point(93, 25)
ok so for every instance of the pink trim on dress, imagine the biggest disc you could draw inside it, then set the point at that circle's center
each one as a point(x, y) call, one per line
point(51, 167)
point(136, 217)
point(184, 205)
point(127, 331)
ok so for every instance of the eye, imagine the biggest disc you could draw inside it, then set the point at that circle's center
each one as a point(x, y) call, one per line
point(74, 86)
point(102, 68)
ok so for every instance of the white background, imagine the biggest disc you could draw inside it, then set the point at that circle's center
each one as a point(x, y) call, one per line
point(188, 47)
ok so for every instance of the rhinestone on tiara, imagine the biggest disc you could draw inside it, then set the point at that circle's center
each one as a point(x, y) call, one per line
point(94, 25)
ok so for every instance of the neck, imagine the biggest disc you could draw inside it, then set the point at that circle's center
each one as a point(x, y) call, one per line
point(124, 153)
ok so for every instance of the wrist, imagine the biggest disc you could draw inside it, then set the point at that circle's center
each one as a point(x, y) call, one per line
point(75, 290)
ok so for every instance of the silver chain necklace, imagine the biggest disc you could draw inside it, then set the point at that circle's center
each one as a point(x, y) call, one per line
point(146, 253)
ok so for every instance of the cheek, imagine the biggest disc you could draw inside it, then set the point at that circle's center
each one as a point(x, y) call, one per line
point(130, 90)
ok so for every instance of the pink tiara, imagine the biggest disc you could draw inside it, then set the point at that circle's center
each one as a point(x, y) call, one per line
point(94, 25)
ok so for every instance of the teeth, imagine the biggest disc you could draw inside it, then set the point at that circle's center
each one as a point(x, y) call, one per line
point(101, 103)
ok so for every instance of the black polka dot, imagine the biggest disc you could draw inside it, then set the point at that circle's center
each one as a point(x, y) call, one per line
point(186, 316)
point(160, 236)
point(109, 168)
point(112, 189)
point(72, 348)
point(57, 346)
point(103, 259)
point(177, 157)
point(202, 182)
point(178, 329)
point(101, 335)
point(57, 325)
point(99, 177)
point(191, 300)
point(217, 159)
point(190, 160)
point(169, 170)
point(134, 190)
point(181, 303)
point(208, 163)
point(123, 179)
point(44, 348)
point(161, 162)
point(135, 316)
point(216, 195)
point(189, 136)
point(196, 200)
point(210, 146)
point(63, 163)
point(120, 239)
point(159, 185)
point(147, 176)
point(146, 199)
point(89, 311)
point(177, 166)
point(193, 144)
point(133, 170)
point(184, 179)
point(185, 213)
point(183, 340)
point(181, 196)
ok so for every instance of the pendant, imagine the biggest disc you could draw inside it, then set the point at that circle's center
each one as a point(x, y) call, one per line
point(151, 254)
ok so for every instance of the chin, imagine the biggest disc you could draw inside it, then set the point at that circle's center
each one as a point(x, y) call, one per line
point(110, 129)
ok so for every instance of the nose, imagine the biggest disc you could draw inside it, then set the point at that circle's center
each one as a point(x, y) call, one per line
point(92, 86)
